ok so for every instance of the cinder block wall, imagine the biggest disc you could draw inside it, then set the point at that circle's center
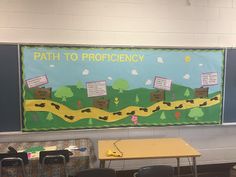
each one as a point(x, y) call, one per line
point(159, 23)
point(197, 23)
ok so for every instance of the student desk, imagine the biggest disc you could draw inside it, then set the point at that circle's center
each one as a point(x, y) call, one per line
point(148, 148)
point(79, 160)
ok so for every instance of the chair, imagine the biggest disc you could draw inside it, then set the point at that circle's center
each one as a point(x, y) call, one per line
point(155, 171)
point(56, 157)
point(97, 172)
point(15, 161)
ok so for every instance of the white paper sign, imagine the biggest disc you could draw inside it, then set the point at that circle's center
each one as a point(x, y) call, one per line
point(97, 88)
point(37, 81)
point(209, 79)
point(162, 83)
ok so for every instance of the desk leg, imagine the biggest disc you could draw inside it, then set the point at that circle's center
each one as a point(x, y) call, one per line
point(178, 166)
point(194, 167)
point(102, 163)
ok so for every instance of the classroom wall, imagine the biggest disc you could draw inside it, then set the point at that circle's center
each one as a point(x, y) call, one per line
point(159, 23)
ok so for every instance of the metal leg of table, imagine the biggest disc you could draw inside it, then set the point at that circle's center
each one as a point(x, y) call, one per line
point(102, 164)
point(194, 167)
point(178, 167)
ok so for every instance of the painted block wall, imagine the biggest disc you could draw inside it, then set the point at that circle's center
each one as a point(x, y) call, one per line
point(158, 23)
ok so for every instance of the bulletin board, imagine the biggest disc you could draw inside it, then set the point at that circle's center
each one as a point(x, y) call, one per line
point(87, 87)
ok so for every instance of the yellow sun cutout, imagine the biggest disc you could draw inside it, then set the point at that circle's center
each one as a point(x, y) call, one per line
point(187, 59)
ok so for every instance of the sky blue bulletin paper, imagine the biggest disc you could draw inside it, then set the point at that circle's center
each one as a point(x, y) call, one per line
point(84, 87)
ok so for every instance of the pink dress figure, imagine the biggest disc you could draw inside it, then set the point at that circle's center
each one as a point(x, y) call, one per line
point(134, 119)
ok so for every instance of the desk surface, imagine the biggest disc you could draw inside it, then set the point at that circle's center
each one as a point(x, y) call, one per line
point(146, 148)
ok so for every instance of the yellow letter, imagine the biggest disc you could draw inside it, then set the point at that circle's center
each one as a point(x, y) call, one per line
point(134, 58)
point(43, 56)
point(141, 57)
point(36, 55)
point(84, 56)
point(56, 56)
point(67, 56)
point(74, 57)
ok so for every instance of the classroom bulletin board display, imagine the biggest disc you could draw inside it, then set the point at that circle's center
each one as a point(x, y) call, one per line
point(84, 87)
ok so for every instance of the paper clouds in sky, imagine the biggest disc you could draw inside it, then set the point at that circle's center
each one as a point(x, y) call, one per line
point(200, 64)
point(51, 66)
point(148, 82)
point(109, 78)
point(160, 60)
point(186, 76)
point(85, 72)
point(134, 72)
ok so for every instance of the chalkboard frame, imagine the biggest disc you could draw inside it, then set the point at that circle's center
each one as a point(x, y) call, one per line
point(18, 128)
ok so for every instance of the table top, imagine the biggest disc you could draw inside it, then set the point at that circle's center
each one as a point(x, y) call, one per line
point(146, 148)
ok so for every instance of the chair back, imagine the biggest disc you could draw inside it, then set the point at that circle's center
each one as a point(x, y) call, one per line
point(97, 172)
point(54, 157)
point(13, 159)
point(155, 171)
point(51, 160)
point(16, 160)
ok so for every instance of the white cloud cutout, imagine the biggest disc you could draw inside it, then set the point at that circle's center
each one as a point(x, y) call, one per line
point(200, 64)
point(148, 82)
point(109, 78)
point(51, 66)
point(85, 72)
point(160, 60)
point(134, 72)
point(186, 76)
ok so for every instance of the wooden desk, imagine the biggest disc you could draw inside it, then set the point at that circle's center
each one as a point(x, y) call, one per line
point(148, 148)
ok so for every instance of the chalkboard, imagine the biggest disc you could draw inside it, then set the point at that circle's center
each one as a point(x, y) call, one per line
point(230, 87)
point(9, 90)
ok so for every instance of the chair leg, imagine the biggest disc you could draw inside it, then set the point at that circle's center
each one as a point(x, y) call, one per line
point(65, 169)
point(23, 167)
point(1, 168)
point(43, 165)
